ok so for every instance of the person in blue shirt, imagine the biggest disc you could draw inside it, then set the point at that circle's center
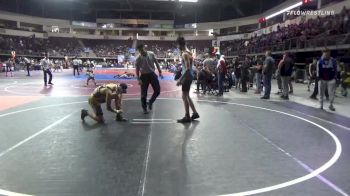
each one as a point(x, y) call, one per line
point(327, 73)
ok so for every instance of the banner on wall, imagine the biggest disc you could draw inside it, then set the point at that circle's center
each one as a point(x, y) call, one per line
point(166, 26)
point(84, 24)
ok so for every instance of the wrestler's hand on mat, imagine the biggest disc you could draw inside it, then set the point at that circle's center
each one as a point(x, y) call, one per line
point(178, 83)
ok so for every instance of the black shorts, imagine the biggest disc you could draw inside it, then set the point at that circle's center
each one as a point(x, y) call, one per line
point(186, 85)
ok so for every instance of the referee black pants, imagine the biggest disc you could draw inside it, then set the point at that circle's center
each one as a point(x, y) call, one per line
point(76, 67)
point(47, 72)
point(146, 80)
point(28, 69)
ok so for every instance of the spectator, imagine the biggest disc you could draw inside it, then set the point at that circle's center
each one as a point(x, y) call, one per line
point(267, 74)
point(237, 72)
point(345, 79)
point(312, 73)
point(221, 73)
point(245, 74)
point(326, 72)
point(258, 75)
point(285, 68)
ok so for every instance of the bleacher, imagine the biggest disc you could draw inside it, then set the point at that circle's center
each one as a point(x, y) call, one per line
point(318, 32)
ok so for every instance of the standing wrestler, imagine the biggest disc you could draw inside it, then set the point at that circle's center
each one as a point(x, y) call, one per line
point(90, 76)
point(58, 66)
point(145, 64)
point(9, 66)
point(186, 81)
point(105, 94)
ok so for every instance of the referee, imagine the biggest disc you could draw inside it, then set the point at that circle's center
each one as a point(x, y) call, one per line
point(145, 72)
point(28, 64)
point(46, 66)
point(76, 63)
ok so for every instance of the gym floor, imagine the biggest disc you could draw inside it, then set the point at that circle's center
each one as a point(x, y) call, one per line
point(239, 146)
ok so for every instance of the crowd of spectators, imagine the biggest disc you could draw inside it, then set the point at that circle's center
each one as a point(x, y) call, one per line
point(201, 46)
point(108, 48)
point(37, 47)
point(319, 27)
point(168, 49)
point(59, 47)
point(162, 49)
point(62, 47)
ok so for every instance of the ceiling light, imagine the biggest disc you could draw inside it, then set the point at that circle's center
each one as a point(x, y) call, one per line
point(193, 1)
point(284, 10)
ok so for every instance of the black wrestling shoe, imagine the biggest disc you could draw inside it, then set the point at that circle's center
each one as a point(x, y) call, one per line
point(313, 97)
point(84, 113)
point(150, 106)
point(331, 108)
point(120, 118)
point(284, 97)
point(185, 119)
point(51, 83)
point(194, 116)
point(278, 93)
